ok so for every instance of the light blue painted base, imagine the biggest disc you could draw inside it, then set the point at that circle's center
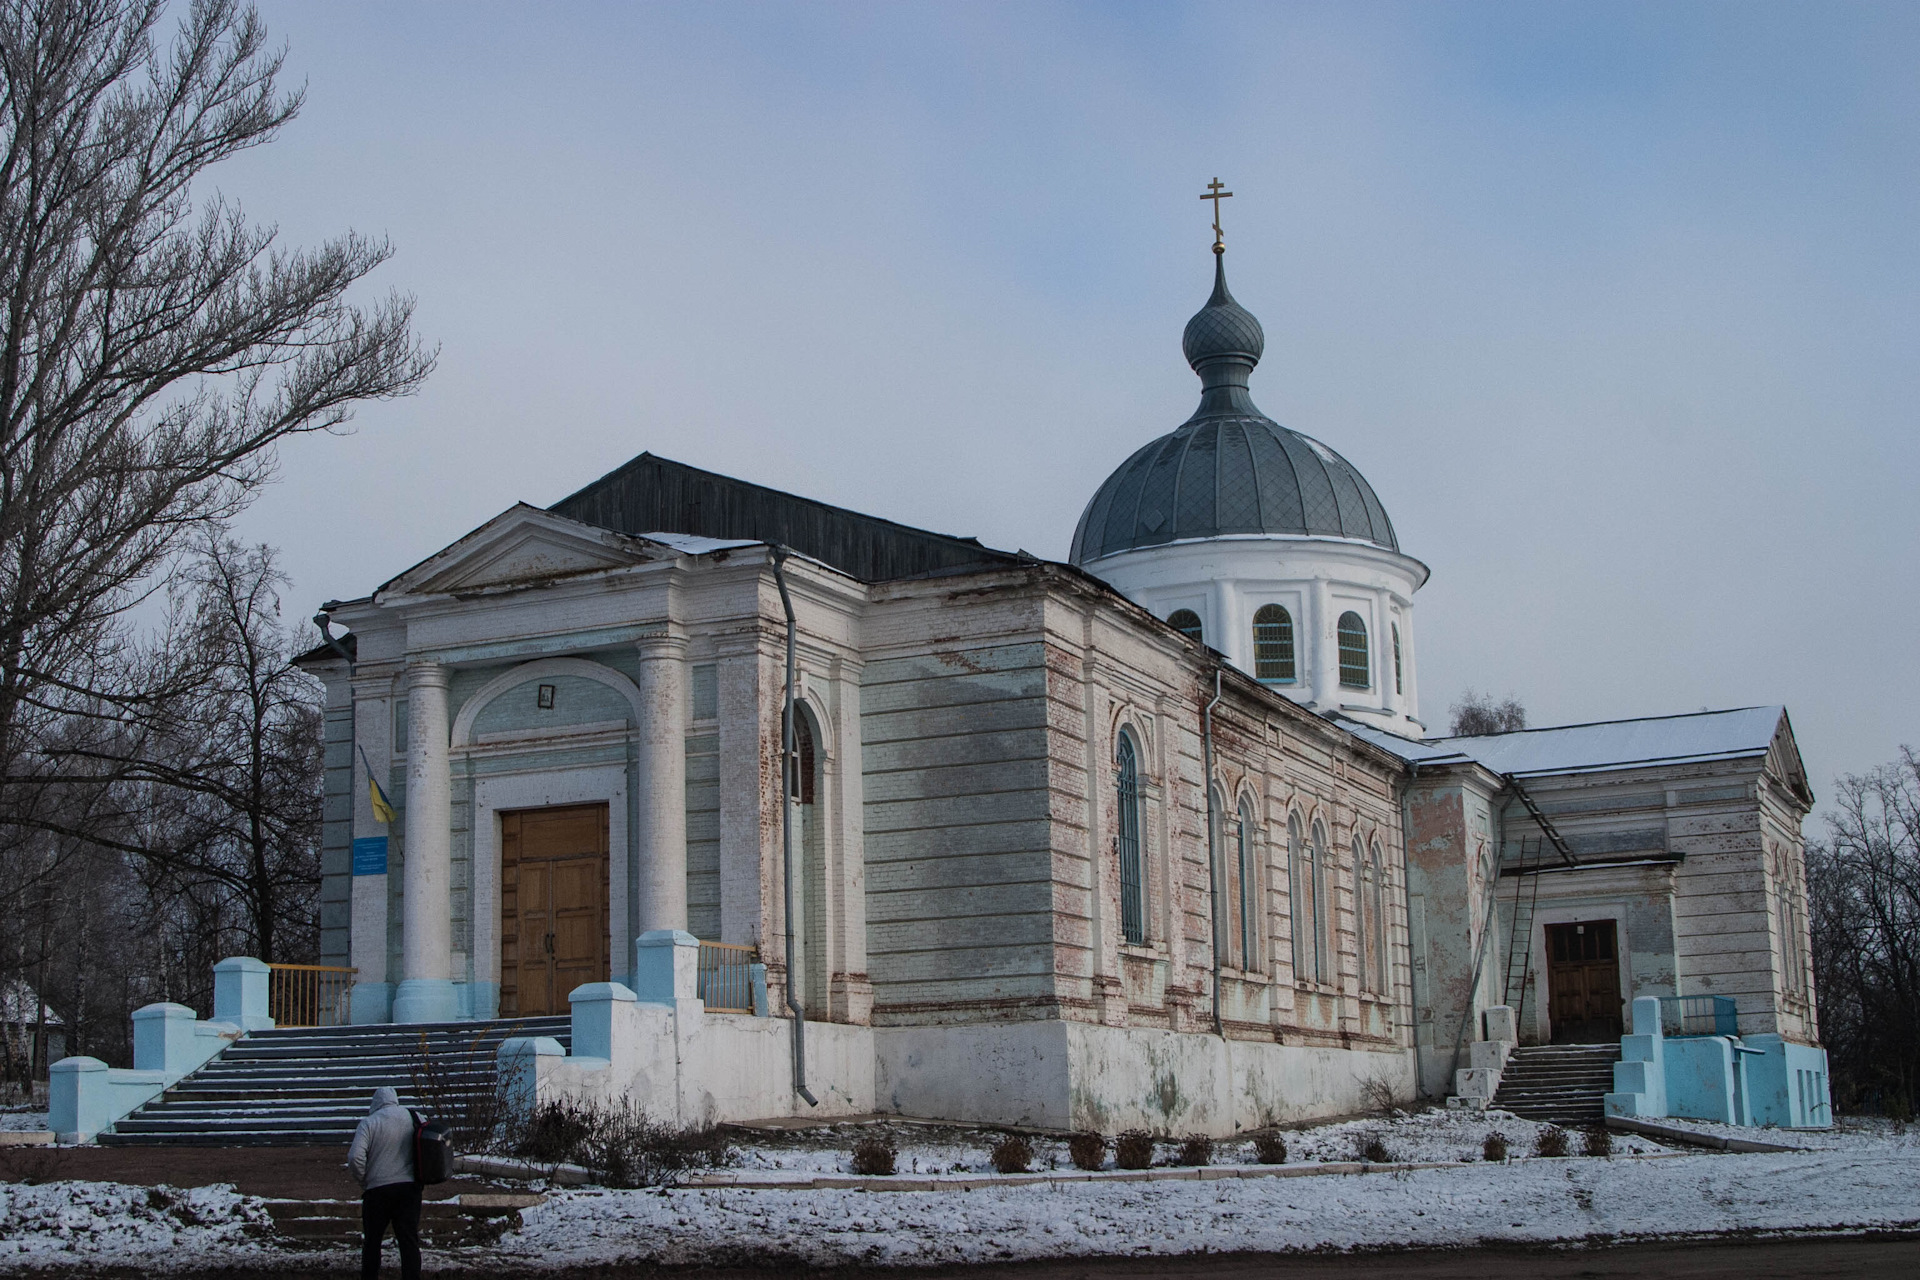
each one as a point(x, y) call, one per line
point(426, 1000)
point(479, 1000)
point(372, 1003)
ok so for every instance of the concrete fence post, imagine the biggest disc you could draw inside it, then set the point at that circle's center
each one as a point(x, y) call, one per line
point(240, 993)
point(164, 1039)
point(79, 1099)
point(666, 968)
point(593, 1014)
point(522, 1063)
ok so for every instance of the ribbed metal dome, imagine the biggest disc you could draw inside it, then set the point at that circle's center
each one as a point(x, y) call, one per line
point(1229, 469)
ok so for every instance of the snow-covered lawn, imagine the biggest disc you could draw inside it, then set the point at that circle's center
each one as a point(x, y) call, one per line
point(14, 1120)
point(1568, 1199)
point(1861, 1176)
point(69, 1222)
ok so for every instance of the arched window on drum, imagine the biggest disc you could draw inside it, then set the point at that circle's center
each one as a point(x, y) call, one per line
point(1273, 645)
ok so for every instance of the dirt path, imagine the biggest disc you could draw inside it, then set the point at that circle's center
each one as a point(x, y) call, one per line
point(295, 1173)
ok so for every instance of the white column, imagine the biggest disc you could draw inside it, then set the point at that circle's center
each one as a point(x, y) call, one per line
point(662, 759)
point(1323, 658)
point(373, 740)
point(425, 993)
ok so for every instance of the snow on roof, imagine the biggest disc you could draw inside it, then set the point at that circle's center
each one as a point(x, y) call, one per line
point(1608, 744)
point(18, 1005)
point(694, 545)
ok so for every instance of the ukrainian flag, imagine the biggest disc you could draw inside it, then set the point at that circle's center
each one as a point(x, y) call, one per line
point(382, 807)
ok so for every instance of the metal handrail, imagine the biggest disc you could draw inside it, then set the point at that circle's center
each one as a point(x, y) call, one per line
point(310, 995)
point(726, 976)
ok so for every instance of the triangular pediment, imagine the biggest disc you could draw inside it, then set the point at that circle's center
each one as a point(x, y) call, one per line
point(523, 546)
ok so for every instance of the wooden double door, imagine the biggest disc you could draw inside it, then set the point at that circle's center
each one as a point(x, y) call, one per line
point(1583, 982)
point(553, 906)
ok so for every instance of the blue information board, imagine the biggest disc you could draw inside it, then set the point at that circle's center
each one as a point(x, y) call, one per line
point(370, 856)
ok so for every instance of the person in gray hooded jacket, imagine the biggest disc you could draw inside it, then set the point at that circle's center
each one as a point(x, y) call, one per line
point(381, 1157)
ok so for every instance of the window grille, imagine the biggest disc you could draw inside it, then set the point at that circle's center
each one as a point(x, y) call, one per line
point(1133, 885)
point(800, 770)
point(1186, 622)
point(1382, 978)
point(1247, 951)
point(1355, 670)
point(1300, 900)
point(1273, 644)
point(1317, 853)
point(1363, 921)
point(1399, 681)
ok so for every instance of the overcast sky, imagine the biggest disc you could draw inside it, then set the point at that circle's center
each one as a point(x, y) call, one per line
point(1613, 304)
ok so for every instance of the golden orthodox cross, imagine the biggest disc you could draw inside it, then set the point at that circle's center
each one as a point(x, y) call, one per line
point(1215, 194)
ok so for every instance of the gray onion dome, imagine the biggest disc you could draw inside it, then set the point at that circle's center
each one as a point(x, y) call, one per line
point(1229, 469)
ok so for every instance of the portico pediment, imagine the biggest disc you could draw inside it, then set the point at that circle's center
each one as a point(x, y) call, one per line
point(523, 546)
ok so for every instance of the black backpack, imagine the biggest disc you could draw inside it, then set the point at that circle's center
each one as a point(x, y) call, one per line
point(432, 1151)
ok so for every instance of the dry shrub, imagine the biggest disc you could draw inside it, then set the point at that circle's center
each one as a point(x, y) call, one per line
point(1373, 1151)
point(458, 1089)
point(1196, 1149)
point(618, 1144)
point(1494, 1149)
point(1012, 1154)
point(1597, 1142)
point(1551, 1142)
point(1089, 1150)
point(875, 1156)
point(1270, 1148)
point(1377, 1094)
point(1133, 1149)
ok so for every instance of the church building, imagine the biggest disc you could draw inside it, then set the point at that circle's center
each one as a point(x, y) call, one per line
point(1155, 837)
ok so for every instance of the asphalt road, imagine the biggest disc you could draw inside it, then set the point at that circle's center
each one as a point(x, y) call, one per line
point(1878, 1258)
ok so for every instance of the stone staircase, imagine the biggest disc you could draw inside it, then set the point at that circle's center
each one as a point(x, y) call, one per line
point(1559, 1083)
point(310, 1086)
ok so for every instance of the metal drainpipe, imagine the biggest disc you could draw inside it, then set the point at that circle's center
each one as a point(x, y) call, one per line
point(787, 764)
point(1213, 888)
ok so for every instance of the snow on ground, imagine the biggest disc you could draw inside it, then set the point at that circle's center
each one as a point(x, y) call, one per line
point(14, 1121)
point(1850, 1133)
point(1865, 1175)
point(62, 1223)
point(1569, 1199)
point(1422, 1136)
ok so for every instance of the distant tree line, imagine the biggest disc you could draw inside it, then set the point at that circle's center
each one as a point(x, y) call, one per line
point(1863, 890)
point(159, 753)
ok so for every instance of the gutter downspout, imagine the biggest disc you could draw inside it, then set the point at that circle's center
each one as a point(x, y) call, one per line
point(1213, 888)
point(787, 765)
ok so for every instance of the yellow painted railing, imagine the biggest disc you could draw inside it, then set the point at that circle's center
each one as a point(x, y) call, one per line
point(309, 995)
point(726, 977)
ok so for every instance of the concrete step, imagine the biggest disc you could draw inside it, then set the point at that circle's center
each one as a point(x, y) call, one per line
point(310, 1085)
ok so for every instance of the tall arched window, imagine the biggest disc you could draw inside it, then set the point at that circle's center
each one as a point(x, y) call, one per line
point(1186, 622)
point(1364, 923)
point(1249, 892)
point(1355, 670)
point(1224, 883)
point(1322, 924)
point(809, 886)
point(1382, 975)
point(1133, 881)
point(1399, 677)
point(1273, 644)
point(1300, 899)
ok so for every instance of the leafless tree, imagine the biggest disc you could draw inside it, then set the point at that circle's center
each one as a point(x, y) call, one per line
point(1863, 889)
point(231, 770)
point(154, 348)
point(1478, 713)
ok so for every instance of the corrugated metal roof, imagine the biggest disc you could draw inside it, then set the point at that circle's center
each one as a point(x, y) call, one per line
point(652, 495)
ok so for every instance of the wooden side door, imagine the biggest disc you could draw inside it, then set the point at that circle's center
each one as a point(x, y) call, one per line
point(553, 906)
point(1583, 982)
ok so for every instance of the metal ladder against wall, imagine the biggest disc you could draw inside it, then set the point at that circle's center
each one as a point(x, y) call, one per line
point(1526, 897)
